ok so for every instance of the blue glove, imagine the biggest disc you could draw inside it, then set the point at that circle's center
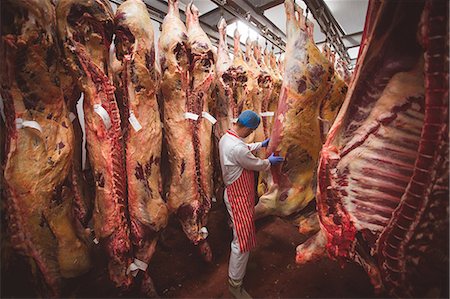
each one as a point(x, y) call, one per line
point(265, 143)
point(274, 160)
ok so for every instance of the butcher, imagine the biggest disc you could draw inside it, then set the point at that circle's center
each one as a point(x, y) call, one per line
point(238, 164)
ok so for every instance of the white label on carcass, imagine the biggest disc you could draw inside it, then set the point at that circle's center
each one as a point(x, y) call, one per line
point(133, 269)
point(209, 117)
point(20, 123)
point(103, 114)
point(95, 241)
point(134, 122)
point(267, 113)
point(2, 109)
point(135, 266)
point(203, 232)
point(140, 264)
point(72, 116)
point(190, 115)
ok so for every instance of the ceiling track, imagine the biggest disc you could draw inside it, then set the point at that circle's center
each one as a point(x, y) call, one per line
point(245, 12)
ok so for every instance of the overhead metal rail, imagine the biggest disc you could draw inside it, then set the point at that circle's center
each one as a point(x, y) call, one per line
point(245, 12)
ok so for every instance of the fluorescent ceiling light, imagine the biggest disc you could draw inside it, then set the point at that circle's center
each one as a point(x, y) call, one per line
point(245, 31)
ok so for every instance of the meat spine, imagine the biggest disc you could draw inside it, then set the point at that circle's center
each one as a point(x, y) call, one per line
point(139, 84)
point(87, 56)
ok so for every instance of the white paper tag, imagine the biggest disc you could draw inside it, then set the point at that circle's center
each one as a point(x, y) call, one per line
point(203, 232)
point(133, 269)
point(209, 117)
point(2, 109)
point(140, 264)
point(20, 123)
point(189, 115)
point(134, 122)
point(72, 116)
point(267, 113)
point(95, 241)
point(135, 266)
point(103, 114)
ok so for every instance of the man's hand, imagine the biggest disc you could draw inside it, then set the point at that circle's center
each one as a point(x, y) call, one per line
point(265, 143)
point(274, 160)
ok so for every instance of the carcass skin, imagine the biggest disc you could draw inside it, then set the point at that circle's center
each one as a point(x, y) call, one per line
point(85, 29)
point(135, 48)
point(37, 162)
point(383, 174)
point(296, 132)
point(187, 73)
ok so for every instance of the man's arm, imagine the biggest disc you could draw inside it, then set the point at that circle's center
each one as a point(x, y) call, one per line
point(247, 160)
point(254, 146)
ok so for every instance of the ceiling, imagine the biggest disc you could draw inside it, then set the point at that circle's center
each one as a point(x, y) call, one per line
point(265, 21)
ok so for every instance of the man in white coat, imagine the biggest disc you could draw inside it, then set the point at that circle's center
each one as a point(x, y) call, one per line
point(238, 164)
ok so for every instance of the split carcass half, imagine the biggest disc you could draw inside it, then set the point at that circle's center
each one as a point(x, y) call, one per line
point(187, 73)
point(226, 79)
point(85, 29)
point(38, 147)
point(240, 70)
point(256, 79)
point(139, 83)
point(296, 131)
point(333, 100)
point(383, 173)
point(262, 102)
point(225, 105)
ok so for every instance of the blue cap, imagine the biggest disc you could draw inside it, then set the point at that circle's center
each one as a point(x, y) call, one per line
point(249, 119)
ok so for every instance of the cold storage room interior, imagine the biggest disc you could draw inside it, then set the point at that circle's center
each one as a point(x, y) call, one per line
point(224, 148)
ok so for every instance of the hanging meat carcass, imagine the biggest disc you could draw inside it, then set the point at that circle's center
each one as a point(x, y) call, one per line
point(257, 78)
point(226, 80)
point(187, 65)
point(332, 102)
point(139, 83)
point(240, 71)
point(383, 173)
point(296, 134)
point(277, 83)
point(265, 83)
point(225, 105)
point(39, 146)
point(85, 29)
point(270, 105)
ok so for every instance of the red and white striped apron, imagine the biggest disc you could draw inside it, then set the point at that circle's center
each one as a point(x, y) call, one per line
point(241, 196)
